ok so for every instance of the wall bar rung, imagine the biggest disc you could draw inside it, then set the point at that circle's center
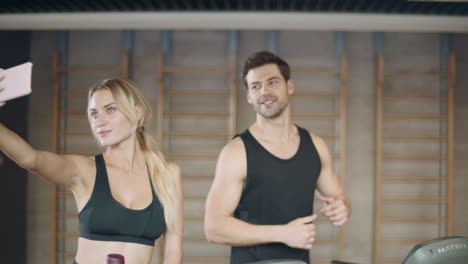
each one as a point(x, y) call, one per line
point(414, 179)
point(320, 95)
point(429, 138)
point(195, 156)
point(415, 96)
point(413, 72)
point(415, 158)
point(326, 241)
point(404, 241)
point(196, 135)
point(413, 220)
point(314, 70)
point(196, 69)
point(315, 115)
point(414, 200)
point(414, 116)
point(199, 114)
point(197, 93)
point(86, 68)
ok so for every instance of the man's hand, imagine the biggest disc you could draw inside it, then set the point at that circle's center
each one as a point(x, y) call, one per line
point(335, 209)
point(300, 233)
point(2, 85)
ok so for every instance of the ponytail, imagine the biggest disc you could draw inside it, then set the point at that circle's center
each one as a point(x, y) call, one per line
point(163, 181)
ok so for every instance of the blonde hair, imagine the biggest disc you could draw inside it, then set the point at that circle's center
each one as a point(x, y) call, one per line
point(127, 96)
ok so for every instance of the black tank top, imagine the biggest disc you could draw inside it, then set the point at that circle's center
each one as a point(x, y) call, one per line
point(105, 219)
point(276, 192)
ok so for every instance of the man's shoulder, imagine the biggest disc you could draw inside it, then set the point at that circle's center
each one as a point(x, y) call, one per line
point(315, 138)
point(235, 146)
point(233, 158)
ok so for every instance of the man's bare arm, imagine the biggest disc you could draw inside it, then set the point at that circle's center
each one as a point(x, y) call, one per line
point(220, 224)
point(336, 205)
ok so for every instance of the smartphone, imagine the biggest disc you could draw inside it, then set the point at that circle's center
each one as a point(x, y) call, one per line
point(17, 82)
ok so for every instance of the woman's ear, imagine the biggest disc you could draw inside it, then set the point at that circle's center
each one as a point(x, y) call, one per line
point(139, 112)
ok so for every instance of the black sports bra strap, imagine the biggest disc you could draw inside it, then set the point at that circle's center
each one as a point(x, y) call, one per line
point(150, 181)
point(101, 174)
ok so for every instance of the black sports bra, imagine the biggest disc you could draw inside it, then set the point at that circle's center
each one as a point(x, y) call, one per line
point(105, 219)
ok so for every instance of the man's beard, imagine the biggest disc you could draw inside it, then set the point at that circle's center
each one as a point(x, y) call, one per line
point(271, 113)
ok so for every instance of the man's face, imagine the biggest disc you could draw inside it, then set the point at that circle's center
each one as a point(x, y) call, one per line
point(267, 90)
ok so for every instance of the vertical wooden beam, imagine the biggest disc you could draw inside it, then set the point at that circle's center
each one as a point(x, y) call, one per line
point(233, 44)
point(272, 41)
point(444, 131)
point(127, 46)
point(163, 60)
point(342, 136)
point(160, 130)
point(125, 68)
point(340, 123)
point(378, 149)
point(54, 148)
point(160, 101)
point(378, 47)
point(451, 74)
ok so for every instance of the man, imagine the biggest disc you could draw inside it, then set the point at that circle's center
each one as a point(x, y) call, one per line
point(261, 199)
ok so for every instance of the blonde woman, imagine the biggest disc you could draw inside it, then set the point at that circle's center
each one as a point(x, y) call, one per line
point(128, 196)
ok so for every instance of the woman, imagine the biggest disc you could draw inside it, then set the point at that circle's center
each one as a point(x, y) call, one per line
point(126, 197)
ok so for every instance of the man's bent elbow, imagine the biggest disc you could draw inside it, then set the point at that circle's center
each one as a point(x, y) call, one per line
point(212, 231)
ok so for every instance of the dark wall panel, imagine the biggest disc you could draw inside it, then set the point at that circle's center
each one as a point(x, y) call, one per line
point(14, 50)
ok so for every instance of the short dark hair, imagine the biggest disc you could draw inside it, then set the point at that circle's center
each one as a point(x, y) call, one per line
point(261, 58)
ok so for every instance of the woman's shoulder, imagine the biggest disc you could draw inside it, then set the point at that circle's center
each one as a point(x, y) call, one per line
point(173, 167)
point(81, 160)
point(86, 170)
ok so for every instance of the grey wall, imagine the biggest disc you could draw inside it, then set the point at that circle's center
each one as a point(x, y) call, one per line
point(301, 48)
point(460, 45)
point(40, 120)
point(361, 145)
point(14, 115)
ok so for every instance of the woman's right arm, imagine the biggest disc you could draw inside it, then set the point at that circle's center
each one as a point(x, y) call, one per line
point(58, 169)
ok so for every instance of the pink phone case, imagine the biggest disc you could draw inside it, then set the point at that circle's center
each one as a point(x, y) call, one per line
point(17, 82)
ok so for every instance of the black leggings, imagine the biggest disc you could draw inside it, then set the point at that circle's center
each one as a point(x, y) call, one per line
point(74, 262)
